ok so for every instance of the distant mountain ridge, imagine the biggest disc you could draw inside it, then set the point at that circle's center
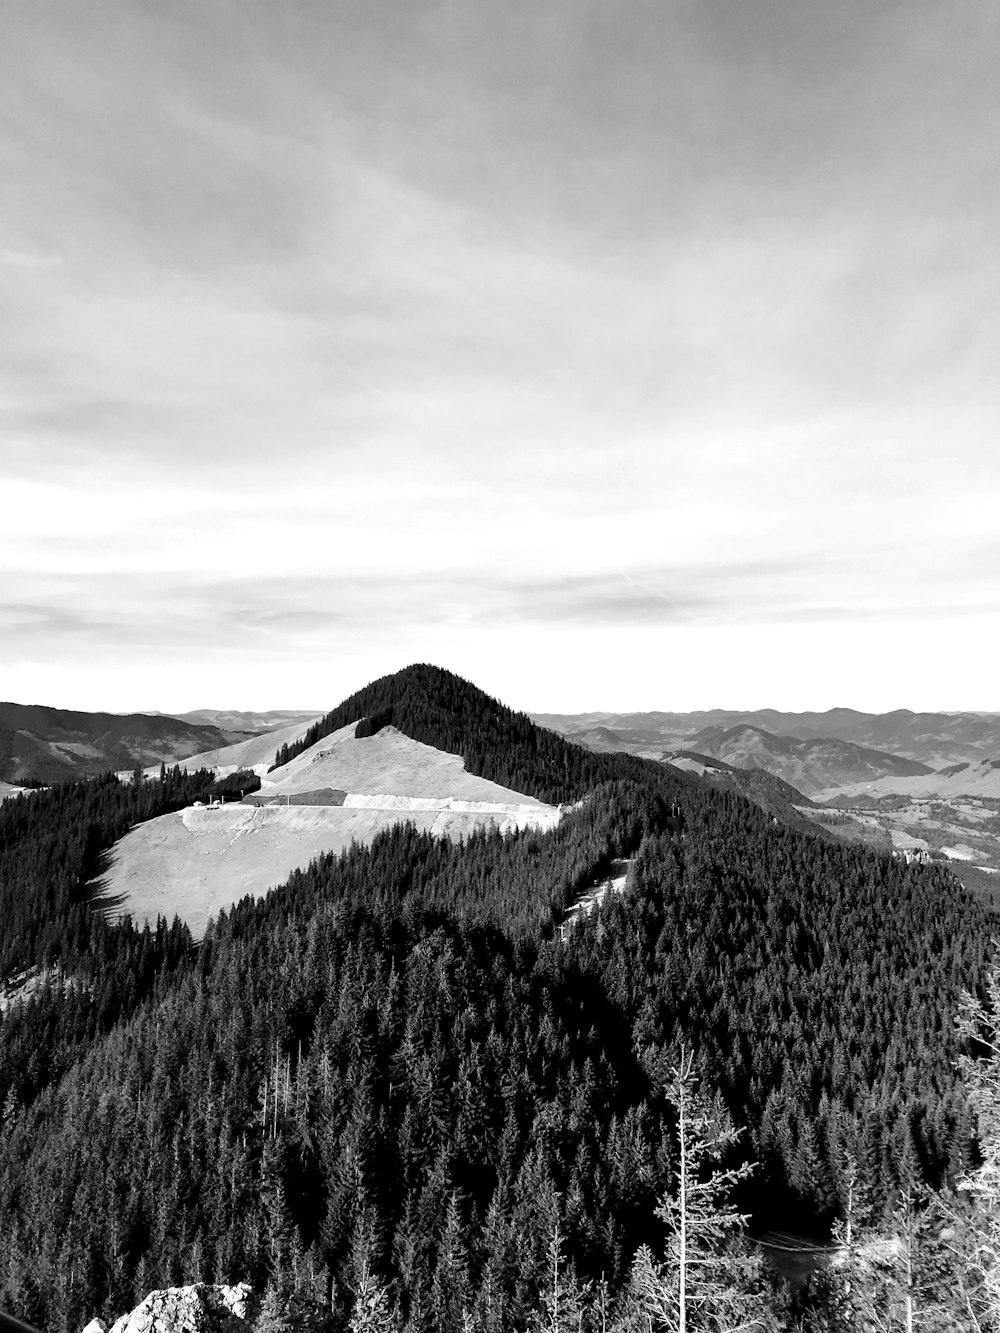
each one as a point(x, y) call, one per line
point(810, 765)
point(773, 795)
point(935, 739)
point(42, 744)
point(253, 720)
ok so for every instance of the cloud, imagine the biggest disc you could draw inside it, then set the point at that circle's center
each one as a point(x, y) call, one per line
point(480, 320)
point(29, 260)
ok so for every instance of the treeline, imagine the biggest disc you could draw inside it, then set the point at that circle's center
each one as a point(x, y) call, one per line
point(85, 971)
point(51, 848)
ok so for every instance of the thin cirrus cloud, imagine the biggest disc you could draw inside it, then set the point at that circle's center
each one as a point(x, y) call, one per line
point(301, 608)
point(414, 321)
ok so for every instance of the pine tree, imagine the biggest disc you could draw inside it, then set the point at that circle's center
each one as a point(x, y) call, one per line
point(371, 1312)
point(979, 1028)
point(272, 1317)
point(563, 1300)
point(708, 1278)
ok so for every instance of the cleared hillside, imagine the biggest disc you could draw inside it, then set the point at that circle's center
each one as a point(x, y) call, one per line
point(442, 710)
point(256, 752)
point(387, 762)
point(196, 862)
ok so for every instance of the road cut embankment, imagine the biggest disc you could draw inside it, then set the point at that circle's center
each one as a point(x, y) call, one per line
point(506, 814)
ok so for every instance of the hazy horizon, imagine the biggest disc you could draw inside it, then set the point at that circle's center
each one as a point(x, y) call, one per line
point(615, 356)
point(595, 711)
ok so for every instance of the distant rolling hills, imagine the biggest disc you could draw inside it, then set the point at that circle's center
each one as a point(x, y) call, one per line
point(813, 751)
point(934, 739)
point(980, 780)
point(923, 784)
point(45, 745)
point(39, 744)
point(231, 719)
point(811, 765)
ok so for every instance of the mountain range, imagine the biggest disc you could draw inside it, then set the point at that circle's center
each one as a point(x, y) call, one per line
point(233, 719)
point(809, 765)
point(935, 739)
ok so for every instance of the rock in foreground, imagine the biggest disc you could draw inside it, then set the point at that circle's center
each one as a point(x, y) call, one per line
point(197, 1309)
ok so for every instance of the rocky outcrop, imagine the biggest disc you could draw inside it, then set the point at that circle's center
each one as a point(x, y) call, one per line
point(198, 1309)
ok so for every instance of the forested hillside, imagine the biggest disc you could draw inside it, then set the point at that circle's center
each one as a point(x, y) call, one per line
point(52, 919)
point(394, 1071)
point(441, 709)
point(44, 745)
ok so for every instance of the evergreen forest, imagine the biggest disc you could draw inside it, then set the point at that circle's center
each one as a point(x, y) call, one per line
point(399, 1093)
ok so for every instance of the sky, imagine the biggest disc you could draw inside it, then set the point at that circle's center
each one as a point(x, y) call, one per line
point(615, 354)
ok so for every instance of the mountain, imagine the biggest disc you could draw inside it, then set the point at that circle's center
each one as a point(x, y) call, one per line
point(935, 739)
point(810, 765)
point(234, 720)
point(396, 1088)
point(980, 781)
point(604, 741)
point(40, 744)
point(764, 789)
point(440, 709)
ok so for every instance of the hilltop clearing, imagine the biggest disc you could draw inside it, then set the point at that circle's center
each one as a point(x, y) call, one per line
point(387, 762)
point(199, 861)
point(441, 710)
